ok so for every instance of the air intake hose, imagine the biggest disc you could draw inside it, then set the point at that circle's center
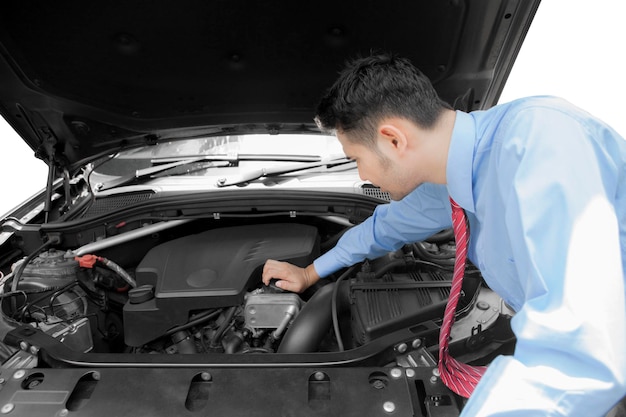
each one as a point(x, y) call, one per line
point(311, 324)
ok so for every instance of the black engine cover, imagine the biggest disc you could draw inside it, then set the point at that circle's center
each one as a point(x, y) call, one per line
point(209, 270)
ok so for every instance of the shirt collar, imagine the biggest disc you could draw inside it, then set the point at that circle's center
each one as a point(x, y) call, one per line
point(460, 161)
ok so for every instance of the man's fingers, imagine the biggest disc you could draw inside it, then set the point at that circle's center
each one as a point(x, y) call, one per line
point(269, 271)
point(276, 270)
point(288, 277)
point(289, 286)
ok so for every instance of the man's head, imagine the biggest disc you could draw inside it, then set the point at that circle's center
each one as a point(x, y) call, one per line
point(371, 89)
point(387, 116)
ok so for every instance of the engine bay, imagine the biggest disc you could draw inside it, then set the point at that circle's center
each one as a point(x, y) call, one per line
point(196, 289)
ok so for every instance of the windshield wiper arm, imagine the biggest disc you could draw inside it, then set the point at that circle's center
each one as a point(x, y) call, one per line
point(279, 170)
point(148, 172)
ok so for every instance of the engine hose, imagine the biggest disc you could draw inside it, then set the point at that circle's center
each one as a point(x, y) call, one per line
point(443, 236)
point(311, 324)
point(232, 342)
point(334, 310)
point(183, 342)
point(444, 259)
point(45, 292)
point(201, 318)
point(389, 266)
point(225, 324)
point(120, 271)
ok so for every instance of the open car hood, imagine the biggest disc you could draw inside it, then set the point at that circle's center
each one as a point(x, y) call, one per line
point(78, 81)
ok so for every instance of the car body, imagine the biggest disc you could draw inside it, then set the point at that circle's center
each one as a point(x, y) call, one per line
point(183, 153)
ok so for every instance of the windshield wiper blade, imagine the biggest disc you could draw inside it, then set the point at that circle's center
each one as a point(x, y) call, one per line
point(233, 159)
point(148, 172)
point(279, 170)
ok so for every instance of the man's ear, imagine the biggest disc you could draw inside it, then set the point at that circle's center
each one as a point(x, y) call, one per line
point(392, 137)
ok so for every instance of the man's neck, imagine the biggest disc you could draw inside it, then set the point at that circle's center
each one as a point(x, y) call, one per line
point(438, 146)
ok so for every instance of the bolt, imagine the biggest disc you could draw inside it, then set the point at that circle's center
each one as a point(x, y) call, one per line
point(2, 381)
point(436, 372)
point(396, 373)
point(7, 408)
point(319, 376)
point(378, 384)
point(416, 343)
point(401, 348)
point(221, 181)
point(205, 376)
point(33, 384)
point(433, 379)
point(389, 406)
point(64, 412)
point(23, 345)
point(482, 305)
point(410, 373)
point(34, 350)
point(19, 374)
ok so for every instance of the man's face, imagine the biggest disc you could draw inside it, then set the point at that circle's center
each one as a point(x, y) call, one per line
point(379, 169)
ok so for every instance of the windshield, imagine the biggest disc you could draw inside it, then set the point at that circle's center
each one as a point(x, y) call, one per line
point(233, 149)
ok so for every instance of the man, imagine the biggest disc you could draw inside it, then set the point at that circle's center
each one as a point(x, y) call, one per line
point(543, 185)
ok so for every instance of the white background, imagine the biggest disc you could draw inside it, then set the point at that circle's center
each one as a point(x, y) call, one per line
point(574, 49)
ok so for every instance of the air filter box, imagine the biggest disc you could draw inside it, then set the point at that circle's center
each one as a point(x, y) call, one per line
point(400, 300)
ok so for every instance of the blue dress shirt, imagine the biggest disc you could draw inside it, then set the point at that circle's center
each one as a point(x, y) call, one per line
point(544, 186)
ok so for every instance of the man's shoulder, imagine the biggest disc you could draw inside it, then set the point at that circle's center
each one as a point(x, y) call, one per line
point(549, 111)
point(529, 106)
point(535, 103)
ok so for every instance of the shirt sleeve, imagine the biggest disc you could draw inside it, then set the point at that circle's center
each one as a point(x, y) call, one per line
point(420, 214)
point(559, 188)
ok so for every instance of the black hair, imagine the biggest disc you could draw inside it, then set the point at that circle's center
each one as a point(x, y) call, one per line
point(374, 87)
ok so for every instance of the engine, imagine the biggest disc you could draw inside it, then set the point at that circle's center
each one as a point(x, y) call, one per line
point(211, 270)
point(203, 293)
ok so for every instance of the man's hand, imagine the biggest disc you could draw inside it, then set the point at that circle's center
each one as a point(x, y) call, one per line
point(290, 277)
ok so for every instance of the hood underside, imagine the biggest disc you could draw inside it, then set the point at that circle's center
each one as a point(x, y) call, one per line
point(79, 80)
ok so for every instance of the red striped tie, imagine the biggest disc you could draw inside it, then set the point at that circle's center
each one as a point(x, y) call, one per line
point(459, 377)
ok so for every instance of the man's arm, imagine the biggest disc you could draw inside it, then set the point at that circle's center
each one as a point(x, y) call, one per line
point(419, 215)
